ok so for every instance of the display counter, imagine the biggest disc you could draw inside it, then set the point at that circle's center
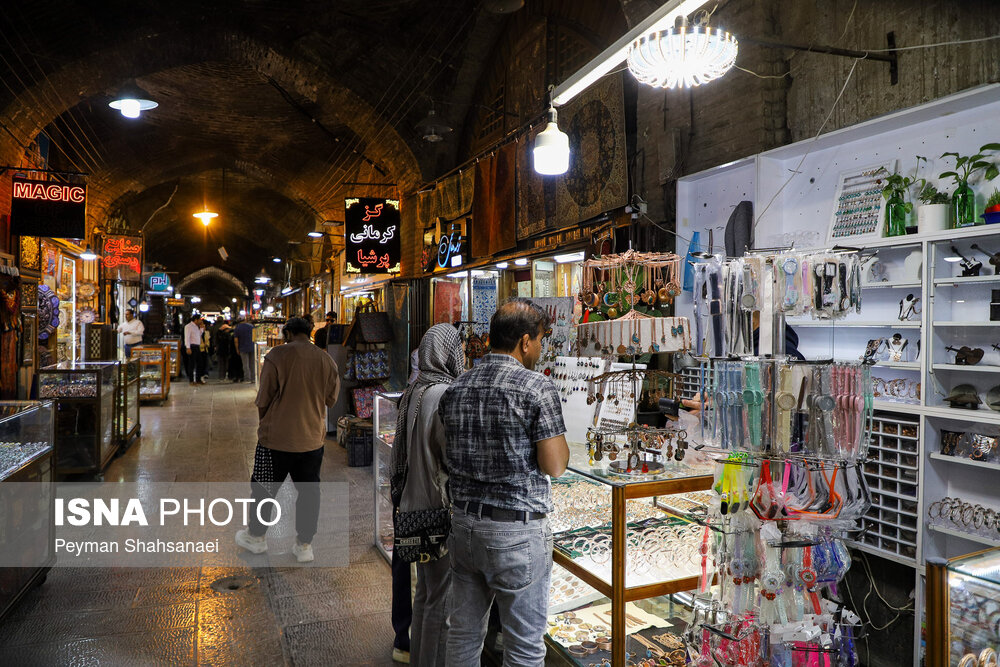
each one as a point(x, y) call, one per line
point(84, 392)
point(174, 345)
point(611, 533)
point(154, 371)
point(384, 432)
point(963, 610)
point(26, 445)
point(127, 424)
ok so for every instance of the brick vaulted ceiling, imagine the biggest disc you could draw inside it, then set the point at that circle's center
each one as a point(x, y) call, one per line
point(267, 107)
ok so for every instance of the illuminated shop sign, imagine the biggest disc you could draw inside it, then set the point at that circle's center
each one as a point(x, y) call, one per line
point(371, 228)
point(122, 257)
point(46, 208)
point(450, 250)
point(159, 282)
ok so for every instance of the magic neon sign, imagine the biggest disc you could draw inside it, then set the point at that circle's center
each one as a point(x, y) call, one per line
point(49, 191)
point(48, 208)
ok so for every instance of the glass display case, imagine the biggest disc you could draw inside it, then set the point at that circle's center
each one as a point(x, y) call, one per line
point(384, 433)
point(266, 334)
point(963, 610)
point(26, 438)
point(84, 392)
point(612, 531)
point(174, 345)
point(154, 371)
point(127, 413)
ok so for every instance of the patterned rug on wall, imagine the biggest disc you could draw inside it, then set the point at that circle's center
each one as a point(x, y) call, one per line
point(597, 178)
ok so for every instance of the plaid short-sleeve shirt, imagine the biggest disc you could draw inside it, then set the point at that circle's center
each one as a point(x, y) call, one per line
point(493, 416)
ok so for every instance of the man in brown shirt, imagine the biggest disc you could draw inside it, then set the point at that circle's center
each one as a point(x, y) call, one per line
point(298, 381)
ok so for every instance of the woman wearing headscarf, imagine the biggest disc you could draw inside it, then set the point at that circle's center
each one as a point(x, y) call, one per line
point(419, 481)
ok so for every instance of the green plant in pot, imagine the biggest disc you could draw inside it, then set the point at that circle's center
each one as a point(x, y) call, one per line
point(897, 208)
point(992, 213)
point(967, 167)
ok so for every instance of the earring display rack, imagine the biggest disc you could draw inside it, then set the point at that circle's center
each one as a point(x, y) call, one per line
point(932, 273)
point(614, 537)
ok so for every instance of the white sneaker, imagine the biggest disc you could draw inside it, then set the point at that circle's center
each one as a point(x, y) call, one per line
point(399, 655)
point(255, 545)
point(303, 552)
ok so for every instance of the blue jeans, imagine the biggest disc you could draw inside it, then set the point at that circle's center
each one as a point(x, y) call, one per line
point(507, 561)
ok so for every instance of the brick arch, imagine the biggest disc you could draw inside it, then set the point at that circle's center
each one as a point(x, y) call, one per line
point(212, 272)
point(103, 72)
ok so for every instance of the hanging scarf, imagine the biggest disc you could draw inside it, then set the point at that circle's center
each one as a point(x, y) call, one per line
point(440, 361)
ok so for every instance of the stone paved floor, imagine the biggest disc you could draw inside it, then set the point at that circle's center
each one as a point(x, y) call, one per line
point(130, 616)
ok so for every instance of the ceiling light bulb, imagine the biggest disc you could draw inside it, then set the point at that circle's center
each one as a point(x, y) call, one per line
point(315, 234)
point(551, 148)
point(276, 260)
point(953, 259)
point(256, 306)
point(143, 307)
point(206, 217)
point(177, 295)
point(88, 254)
point(132, 100)
point(502, 265)
point(502, 6)
point(521, 262)
point(684, 56)
point(433, 127)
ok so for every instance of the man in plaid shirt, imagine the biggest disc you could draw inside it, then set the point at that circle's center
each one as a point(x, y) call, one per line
point(505, 434)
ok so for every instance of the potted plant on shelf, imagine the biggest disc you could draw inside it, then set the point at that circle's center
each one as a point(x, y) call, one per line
point(992, 213)
point(932, 214)
point(968, 167)
point(896, 209)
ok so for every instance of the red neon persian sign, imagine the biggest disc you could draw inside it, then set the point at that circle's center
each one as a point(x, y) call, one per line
point(122, 257)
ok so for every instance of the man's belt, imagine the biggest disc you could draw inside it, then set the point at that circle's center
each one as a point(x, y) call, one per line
point(497, 513)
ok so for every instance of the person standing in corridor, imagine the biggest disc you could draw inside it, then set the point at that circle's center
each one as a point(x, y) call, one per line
point(243, 341)
point(131, 330)
point(298, 381)
point(192, 343)
point(506, 435)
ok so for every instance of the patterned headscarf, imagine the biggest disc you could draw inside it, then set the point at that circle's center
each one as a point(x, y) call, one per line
point(440, 361)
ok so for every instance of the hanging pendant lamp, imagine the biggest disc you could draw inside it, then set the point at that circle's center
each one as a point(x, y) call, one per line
point(132, 100)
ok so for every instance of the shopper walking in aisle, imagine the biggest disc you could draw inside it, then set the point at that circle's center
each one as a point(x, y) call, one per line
point(192, 343)
point(131, 330)
point(322, 334)
point(243, 337)
point(419, 482)
point(505, 433)
point(298, 381)
point(224, 348)
point(205, 350)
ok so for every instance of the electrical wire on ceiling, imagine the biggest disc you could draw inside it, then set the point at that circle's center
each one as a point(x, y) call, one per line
point(420, 52)
point(60, 104)
point(417, 90)
point(59, 109)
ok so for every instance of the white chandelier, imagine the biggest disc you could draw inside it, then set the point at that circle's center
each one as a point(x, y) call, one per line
point(683, 56)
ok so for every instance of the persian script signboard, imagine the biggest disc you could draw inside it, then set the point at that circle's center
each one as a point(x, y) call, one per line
point(371, 227)
point(122, 258)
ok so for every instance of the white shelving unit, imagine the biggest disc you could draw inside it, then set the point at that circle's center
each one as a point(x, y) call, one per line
point(793, 191)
